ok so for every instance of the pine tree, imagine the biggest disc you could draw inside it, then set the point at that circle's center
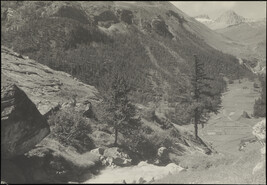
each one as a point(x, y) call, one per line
point(204, 102)
point(122, 115)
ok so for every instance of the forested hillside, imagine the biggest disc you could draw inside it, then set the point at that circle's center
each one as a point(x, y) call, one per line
point(88, 39)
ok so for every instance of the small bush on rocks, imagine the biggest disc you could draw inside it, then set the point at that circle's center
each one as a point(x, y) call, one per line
point(255, 85)
point(71, 129)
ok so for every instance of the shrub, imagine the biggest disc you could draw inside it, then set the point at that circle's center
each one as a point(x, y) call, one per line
point(255, 85)
point(141, 145)
point(71, 129)
point(147, 129)
point(259, 108)
point(231, 81)
point(260, 103)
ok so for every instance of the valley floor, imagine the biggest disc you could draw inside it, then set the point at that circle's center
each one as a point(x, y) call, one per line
point(226, 131)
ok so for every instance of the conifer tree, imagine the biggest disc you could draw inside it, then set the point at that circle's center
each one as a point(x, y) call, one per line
point(122, 115)
point(203, 100)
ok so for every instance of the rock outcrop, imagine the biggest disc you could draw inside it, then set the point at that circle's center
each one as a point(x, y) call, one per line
point(112, 156)
point(161, 119)
point(98, 151)
point(259, 130)
point(22, 125)
point(245, 115)
point(50, 162)
point(163, 156)
point(46, 88)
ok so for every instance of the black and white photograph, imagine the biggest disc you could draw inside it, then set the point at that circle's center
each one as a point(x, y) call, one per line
point(133, 92)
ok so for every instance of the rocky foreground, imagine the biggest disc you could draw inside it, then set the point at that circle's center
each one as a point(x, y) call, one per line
point(29, 93)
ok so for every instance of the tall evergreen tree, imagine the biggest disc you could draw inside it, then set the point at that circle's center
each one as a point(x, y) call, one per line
point(122, 113)
point(203, 100)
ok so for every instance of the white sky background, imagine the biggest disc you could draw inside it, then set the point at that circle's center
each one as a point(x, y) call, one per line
point(247, 9)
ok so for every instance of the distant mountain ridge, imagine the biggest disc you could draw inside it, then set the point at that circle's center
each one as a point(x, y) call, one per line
point(253, 35)
point(226, 19)
point(249, 33)
point(230, 18)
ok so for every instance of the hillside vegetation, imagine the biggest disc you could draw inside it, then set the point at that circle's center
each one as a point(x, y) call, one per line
point(87, 109)
point(87, 39)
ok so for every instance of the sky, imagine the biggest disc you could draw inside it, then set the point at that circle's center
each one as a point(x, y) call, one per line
point(247, 9)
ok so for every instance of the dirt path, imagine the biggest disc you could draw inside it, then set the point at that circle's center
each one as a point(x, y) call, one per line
point(226, 129)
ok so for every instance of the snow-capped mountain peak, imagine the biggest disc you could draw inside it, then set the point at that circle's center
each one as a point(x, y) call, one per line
point(226, 19)
point(230, 18)
point(204, 18)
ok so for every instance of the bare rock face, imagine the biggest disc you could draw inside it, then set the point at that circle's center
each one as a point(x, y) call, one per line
point(98, 151)
point(117, 156)
point(22, 125)
point(245, 115)
point(163, 156)
point(46, 88)
point(259, 130)
point(161, 120)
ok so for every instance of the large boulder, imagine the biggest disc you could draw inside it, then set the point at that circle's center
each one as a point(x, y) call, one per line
point(162, 156)
point(22, 125)
point(245, 115)
point(102, 138)
point(89, 113)
point(161, 119)
point(116, 156)
point(50, 162)
point(259, 130)
point(98, 151)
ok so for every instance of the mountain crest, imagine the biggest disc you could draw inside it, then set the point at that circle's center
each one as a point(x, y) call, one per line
point(230, 17)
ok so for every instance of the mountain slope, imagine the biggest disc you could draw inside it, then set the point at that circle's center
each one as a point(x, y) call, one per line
point(226, 19)
point(246, 32)
point(52, 92)
point(155, 40)
point(246, 38)
point(253, 35)
point(229, 18)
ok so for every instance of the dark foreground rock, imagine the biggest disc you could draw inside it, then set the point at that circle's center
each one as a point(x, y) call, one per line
point(22, 125)
point(50, 162)
point(11, 173)
point(245, 115)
